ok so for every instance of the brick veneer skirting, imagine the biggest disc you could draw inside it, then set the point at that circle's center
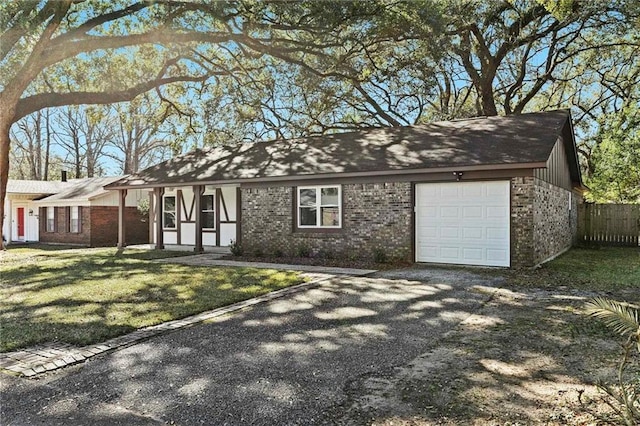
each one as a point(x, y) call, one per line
point(376, 216)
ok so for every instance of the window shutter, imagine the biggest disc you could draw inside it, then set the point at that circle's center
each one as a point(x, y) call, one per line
point(55, 219)
point(67, 222)
point(79, 219)
point(42, 219)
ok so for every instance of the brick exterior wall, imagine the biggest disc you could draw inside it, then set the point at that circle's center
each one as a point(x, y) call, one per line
point(542, 225)
point(522, 243)
point(554, 224)
point(379, 216)
point(375, 216)
point(99, 227)
point(61, 235)
point(104, 226)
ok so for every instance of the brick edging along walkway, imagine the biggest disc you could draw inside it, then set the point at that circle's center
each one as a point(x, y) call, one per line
point(38, 360)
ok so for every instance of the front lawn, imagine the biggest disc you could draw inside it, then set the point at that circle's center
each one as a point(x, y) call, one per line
point(85, 296)
point(593, 269)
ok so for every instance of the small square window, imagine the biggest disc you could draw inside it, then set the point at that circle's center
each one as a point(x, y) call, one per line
point(319, 207)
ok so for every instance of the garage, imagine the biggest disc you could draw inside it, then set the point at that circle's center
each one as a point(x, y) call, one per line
point(464, 223)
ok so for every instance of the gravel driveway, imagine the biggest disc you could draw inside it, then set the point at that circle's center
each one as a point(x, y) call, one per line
point(291, 361)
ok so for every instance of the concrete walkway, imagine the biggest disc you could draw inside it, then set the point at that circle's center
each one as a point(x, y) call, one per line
point(45, 358)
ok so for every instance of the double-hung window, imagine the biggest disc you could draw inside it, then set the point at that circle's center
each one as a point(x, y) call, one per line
point(51, 219)
point(169, 212)
point(74, 219)
point(319, 206)
point(208, 211)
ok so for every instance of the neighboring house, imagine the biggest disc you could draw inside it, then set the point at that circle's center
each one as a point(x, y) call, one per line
point(495, 191)
point(21, 212)
point(78, 212)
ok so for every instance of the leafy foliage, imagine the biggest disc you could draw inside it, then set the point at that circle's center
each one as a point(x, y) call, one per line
point(620, 317)
point(616, 158)
point(236, 248)
point(624, 396)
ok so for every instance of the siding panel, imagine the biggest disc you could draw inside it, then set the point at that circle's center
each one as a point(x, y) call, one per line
point(557, 170)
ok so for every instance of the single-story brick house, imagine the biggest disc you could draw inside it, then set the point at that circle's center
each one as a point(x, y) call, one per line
point(494, 191)
point(76, 212)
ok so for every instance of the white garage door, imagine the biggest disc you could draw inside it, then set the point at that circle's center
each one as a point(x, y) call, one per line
point(463, 222)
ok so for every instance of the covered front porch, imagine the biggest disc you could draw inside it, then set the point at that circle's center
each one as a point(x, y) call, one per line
point(194, 217)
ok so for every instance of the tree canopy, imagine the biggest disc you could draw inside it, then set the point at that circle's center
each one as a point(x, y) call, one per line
point(231, 71)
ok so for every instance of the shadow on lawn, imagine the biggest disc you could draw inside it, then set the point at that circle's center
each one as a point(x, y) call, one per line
point(87, 298)
point(348, 352)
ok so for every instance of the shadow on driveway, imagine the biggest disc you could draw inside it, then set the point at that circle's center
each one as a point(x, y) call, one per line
point(285, 362)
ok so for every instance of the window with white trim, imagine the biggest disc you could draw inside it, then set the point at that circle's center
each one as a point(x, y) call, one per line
point(169, 212)
point(74, 219)
point(208, 210)
point(51, 219)
point(319, 206)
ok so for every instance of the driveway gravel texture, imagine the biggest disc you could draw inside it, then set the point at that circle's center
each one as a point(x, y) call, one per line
point(298, 360)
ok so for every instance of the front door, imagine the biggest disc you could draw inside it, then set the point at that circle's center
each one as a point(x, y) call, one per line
point(20, 223)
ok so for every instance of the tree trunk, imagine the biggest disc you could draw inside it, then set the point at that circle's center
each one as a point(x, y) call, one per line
point(76, 152)
point(6, 118)
point(38, 150)
point(48, 148)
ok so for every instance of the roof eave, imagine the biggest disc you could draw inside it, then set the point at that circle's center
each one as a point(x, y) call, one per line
point(275, 179)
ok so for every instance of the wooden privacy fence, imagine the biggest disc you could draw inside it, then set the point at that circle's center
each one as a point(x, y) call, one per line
point(609, 224)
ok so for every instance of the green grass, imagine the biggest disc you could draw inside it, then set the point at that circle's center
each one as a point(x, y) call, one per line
point(86, 296)
point(596, 269)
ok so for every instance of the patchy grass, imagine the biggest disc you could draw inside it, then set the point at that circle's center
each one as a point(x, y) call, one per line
point(84, 296)
point(593, 269)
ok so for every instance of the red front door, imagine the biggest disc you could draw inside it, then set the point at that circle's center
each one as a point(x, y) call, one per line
point(20, 222)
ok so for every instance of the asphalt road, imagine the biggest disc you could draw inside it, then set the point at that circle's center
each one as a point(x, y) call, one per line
point(297, 360)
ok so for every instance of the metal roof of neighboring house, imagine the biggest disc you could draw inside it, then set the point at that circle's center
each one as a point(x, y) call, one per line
point(484, 143)
point(82, 189)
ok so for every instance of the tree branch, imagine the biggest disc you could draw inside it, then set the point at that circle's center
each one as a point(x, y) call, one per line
point(35, 102)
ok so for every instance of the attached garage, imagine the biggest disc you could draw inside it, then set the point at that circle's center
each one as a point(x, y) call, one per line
point(487, 191)
point(464, 223)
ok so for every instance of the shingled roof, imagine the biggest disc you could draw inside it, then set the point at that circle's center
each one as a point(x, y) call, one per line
point(516, 141)
point(82, 189)
point(35, 187)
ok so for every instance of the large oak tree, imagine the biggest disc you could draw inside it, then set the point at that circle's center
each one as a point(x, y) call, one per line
point(70, 52)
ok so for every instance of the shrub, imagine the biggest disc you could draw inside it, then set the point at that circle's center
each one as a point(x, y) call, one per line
point(326, 254)
point(351, 255)
point(303, 251)
point(379, 255)
point(278, 253)
point(235, 248)
point(258, 252)
point(143, 209)
point(624, 396)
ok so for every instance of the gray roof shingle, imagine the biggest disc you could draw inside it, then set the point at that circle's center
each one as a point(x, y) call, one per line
point(83, 189)
point(71, 190)
point(36, 187)
point(525, 139)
